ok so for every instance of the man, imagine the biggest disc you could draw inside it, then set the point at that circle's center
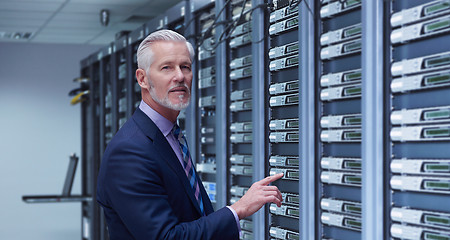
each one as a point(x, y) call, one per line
point(147, 185)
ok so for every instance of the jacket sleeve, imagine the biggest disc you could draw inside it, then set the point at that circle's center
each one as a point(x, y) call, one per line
point(135, 199)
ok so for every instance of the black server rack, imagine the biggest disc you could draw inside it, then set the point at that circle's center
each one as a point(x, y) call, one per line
point(338, 119)
point(418, 79)
point(283, 116)
point(134, 97)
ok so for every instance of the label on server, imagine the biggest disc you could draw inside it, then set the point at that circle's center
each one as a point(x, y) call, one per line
point(283, 63)
point(343, 221)
point(341, 163)
point(286, 211)
point(340, 78)
point(206, 167)
point(285, 87)
point(284, 100)
point(340, 35)
point(241, 40)
point(238, 190)
point(422, 81)
point(241, 138)
point(207, 82)
point(241, 159)
point(283, 26)
point(420, 64)
point(241, 62)
point(420, 30)
point(241, 73)
point(338, 7)
point(291, 199)
point(241, 127)
point(341, 206)
point(241, 95)
point(420, 217)
point(241, 170)
point(421, 133)
point(421, 184)
point(338, 93)
point(421, 12)
point(241, 106)
point(289, 174)
point(285, 50)
point(284, 161)
point(341, 178)
point(246, 225)
point(341, 135)
point(241, 29)
point(280, 233)
point(284, 124)
point(283, 13)
point(208, 101)
point(206, 72)
point(421, 115)
point(341, 49)
point(341, 121)
point(421, 166)
point(279, 137)
point(417, 233)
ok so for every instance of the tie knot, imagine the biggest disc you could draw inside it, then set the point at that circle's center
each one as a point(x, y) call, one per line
point(176, 130)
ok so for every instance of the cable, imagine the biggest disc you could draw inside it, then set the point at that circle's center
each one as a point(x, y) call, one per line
point(79, 97)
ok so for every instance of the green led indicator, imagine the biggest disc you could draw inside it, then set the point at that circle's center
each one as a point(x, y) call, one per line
point(292, 61)
point(291, 23)
point(291, 48)
point(352, 91)
point(351, 47)
point(292, 86)
point(352, 208)
point(434, 236)
point(437, 61)
point(352, 31)
point(293, 161)
point(436, 26)
point(437, 220)
point(352, 179)
point(436, 8)
point(350, 3)
point(437, 79)
point(436, 114)
point(352, 76)
point(436, 132)
point(352, 135)
point(293, 236)
point(292, 174)
point(437, 167)
point(353, 223)
point(352, 120)
point(293, 136)
point(351, 164)
point(293, 212)
point(292, 124)
point(292, 199)
point(292, 99)
point(437, 185)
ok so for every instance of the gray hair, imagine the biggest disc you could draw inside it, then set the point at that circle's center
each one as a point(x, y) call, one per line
point(145, 54)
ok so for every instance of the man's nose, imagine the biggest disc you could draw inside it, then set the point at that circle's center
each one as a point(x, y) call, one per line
point(178, 75)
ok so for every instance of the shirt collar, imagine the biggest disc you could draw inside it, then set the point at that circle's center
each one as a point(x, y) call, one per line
point(164, 125)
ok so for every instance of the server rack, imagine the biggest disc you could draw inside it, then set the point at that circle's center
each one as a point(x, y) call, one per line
point(418, 77)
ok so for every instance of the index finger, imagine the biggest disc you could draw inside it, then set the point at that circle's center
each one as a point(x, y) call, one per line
point(270, 179)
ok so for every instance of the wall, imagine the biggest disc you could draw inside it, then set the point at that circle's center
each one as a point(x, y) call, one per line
point(39, 129)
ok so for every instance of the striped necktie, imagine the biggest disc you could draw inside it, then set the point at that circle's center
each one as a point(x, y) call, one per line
point(188, 167)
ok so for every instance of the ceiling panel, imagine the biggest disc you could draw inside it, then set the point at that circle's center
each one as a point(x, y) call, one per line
point(75, 21)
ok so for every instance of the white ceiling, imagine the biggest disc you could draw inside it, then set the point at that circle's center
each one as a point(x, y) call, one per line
point(74, 21)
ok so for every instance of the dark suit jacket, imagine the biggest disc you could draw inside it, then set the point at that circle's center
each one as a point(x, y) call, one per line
point(145, 193)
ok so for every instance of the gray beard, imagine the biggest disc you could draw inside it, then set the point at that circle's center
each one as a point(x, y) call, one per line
point(166, 102)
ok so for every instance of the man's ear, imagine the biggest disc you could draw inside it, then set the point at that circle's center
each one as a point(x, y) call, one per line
point(141, 78)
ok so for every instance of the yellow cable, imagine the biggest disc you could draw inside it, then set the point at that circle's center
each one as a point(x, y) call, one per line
point(79, 97)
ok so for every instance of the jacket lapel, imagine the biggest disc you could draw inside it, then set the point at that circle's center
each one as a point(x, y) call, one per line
point(166, 152)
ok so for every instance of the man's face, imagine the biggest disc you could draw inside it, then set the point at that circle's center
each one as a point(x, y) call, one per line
point(170, 75)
